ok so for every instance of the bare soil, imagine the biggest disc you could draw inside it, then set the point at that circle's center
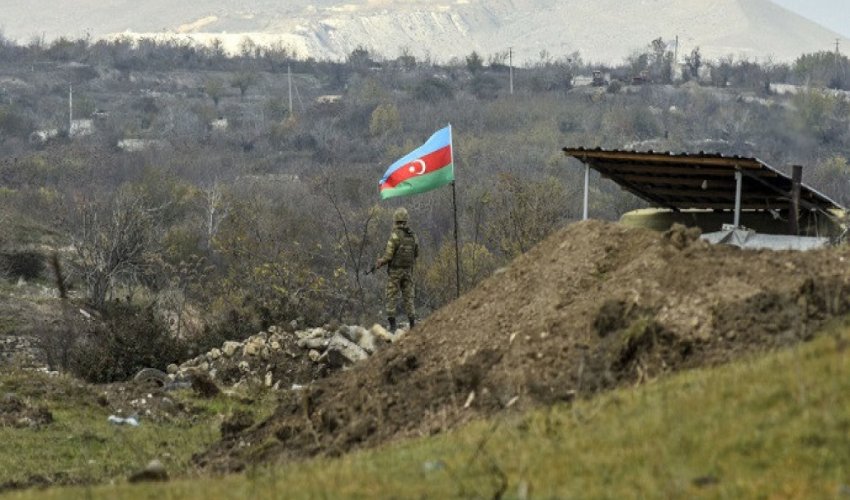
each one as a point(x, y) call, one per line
point(593, 307)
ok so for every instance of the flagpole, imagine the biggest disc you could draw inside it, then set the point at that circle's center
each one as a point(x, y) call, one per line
point(454, 210)
point(457, 244)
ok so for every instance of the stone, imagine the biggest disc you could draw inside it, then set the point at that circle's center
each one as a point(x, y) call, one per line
point(154, 471)
point(244, 366)
point(367, 341)
point(252, 348)
point(214, 354)
point(342, 351)
point(274, 345)
point(381, 332)
point(273, 329)
point(268, 379)
point(205, 366)
point(172, 369)
point(313, 343)
point(230, 348)
point(314, 355)
point(346, 332)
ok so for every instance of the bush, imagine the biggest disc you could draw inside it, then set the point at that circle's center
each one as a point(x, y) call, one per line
point(129, 338)
point(28, 265)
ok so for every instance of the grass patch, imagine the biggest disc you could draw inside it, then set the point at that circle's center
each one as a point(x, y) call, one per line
point(82, 447)
point(773, 427)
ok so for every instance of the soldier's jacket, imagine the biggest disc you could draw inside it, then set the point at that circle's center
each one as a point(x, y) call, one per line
point(402, 248)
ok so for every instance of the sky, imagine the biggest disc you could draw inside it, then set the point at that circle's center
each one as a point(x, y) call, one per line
point(834, 14)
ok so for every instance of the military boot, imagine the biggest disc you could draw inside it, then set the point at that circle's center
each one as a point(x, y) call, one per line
point(391, 321)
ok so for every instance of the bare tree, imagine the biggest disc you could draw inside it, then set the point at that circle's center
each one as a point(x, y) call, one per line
point(113, 242)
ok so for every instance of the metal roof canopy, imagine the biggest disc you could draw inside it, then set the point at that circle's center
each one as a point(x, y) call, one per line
point(700, 181)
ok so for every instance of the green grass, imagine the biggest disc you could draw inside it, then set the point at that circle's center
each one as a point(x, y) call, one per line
point(82, 447)
point(777, 426)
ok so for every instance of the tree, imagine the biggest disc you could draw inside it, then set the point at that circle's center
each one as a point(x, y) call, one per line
point(215, 90)
point(114, 243)
point(385, 120)
point(474, 63)
point(243, 81)
point(694, 63)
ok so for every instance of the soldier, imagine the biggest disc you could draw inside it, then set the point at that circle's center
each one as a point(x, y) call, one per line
point(400, 256)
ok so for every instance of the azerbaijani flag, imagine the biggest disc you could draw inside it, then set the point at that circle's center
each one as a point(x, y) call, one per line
point(428, 167)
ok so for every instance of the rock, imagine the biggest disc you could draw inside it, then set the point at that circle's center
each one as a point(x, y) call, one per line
point(253, 348)
point(214, 354)
point(274, 345)
point(313, 343)
point(399, 334)
point(367, 341)
point(273, 329)
point(381, 332)
point(205, 366)
point(172, 369)
point(314, 355)
point(230, 348)
point(342, 351)
point(308, 334)
point(244, 366)
point(293, 324)
point(268, 379)
point(154, 471)
point(346, 332)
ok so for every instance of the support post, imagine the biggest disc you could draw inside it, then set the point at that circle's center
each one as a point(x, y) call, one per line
point(511, 68)
point(586, 191)
point(457, 242)
point(289, 80)
point(739, 180)
point(794, 213)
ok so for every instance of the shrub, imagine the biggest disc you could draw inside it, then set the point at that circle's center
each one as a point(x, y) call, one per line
point(26, 264)
point(129, 338)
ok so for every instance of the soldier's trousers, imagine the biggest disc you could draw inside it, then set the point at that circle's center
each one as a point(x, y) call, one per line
point(400, 282)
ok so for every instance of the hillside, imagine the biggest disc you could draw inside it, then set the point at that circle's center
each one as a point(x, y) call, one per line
point(593, 307)
point(771, 426)
point(331, 29)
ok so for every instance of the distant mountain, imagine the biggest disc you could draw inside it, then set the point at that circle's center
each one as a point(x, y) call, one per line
point(601, 30)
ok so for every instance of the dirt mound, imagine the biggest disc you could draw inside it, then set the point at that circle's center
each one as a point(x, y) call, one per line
point(594, 306)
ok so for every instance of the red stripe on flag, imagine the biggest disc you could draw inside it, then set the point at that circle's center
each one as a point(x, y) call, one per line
point(432, 162)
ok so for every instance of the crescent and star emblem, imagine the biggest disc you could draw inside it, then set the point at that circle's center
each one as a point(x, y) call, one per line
point(414, 167)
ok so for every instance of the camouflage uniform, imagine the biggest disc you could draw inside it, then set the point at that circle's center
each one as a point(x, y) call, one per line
point(400, 256)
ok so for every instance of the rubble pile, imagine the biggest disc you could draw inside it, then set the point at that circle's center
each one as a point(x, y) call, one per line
point(278, 358)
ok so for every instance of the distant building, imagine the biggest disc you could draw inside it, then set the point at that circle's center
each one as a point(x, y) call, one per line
point(136, 145)
point(42, 136)
point(329, 99)
point(81, 128)
point(219, 125)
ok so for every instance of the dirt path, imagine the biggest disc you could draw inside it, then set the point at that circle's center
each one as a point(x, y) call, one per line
point(594, 306)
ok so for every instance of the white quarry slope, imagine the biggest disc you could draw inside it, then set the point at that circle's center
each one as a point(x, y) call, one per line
point(601, 30)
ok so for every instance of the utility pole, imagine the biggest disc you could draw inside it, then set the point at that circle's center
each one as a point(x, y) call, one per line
point(511, 66)
point(289, 77)
point(676, 53)
point(70, 109)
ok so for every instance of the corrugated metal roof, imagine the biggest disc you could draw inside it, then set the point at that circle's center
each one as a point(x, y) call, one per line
point(699, 181)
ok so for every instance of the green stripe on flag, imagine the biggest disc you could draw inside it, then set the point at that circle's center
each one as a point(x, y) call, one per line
point(422, 183)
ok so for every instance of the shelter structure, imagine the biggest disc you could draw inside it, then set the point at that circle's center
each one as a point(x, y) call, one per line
point(733, 199)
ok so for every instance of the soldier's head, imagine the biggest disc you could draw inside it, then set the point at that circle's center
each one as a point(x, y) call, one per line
point(400, 215)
